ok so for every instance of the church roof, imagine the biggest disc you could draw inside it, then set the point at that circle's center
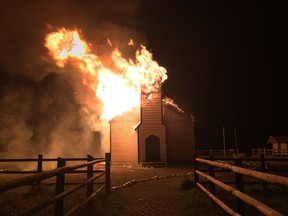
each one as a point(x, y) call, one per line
point(169, 103)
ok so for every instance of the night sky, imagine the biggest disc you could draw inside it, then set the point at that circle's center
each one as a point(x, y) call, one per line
point(225, 66)
point(224, 61)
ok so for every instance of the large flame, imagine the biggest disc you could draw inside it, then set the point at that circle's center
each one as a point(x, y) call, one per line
point(119, 91)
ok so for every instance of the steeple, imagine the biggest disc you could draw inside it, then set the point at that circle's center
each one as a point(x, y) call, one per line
point(152, 131)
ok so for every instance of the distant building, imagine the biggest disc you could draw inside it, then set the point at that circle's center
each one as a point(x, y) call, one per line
point(156, 132)
point(279, 144)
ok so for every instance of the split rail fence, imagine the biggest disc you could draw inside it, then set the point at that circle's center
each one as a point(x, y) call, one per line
point(237, 168)
point(62, 169)
point(270, 152)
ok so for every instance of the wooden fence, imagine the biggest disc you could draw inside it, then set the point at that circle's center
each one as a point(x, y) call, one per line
point(220, 153)
point(240, 172)
point(58, 200)
point(270, 152)
point(235, 153)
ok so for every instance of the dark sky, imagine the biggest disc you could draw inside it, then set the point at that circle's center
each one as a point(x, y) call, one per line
point(224, 61)
point(224, 66)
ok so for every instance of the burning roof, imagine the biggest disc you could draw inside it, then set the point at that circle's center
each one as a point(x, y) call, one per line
point(170, 102)
point(118, 84)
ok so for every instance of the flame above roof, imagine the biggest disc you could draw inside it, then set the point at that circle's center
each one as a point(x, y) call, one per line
point(170, 102)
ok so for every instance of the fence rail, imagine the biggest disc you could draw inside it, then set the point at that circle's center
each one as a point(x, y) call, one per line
point(60, 172)
point(270, 152)
point(39, 166)
point(221, 153)
point(239, 171)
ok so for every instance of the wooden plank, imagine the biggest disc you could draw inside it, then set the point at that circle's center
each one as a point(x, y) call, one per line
point(26, 180)
point(60, 183)
point(48, 202)
point(180, 137)
point(124, 147)
point(218, 201)
point(248, 172)
point(266, 210)
point(76, 209)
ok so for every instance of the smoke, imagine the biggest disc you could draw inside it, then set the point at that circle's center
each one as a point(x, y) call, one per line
point(44, 109)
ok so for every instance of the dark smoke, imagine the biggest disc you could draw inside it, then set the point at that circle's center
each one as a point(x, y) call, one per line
point(44, 109)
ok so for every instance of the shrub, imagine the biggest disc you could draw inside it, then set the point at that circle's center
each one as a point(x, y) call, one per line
point(187, 184)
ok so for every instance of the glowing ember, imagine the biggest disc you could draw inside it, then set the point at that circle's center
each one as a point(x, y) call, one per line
point(119, 92)
point(171, 102)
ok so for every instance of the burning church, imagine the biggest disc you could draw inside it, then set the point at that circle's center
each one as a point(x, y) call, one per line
point(156, 132)
point(137, 124)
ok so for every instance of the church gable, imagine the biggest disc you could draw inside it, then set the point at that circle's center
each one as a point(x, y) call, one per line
point(123, 138)
point(180, 135)
point(156, 132)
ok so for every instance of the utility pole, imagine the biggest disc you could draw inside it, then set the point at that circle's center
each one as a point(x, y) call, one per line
point(224, 147)
point(236, 142)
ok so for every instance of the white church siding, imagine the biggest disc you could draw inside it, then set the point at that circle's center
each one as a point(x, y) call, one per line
point(124, 141)
point(180, 136)
point(151, 124)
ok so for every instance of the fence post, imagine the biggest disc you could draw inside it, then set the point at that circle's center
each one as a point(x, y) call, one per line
point(211, 173)
point(60, 182)
point(196, 167)
point(89, 175)
point(39, 163)
point(263, 169)
point(240, 206)
point(107, 172)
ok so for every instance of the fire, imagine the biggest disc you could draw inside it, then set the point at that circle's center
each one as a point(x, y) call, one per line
point(171, 102)
point(118, 88)
point(64, 44)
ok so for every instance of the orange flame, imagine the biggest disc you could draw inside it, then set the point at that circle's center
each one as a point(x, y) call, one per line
point(119, 92)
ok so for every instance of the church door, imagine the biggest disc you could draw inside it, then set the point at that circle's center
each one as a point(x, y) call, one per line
point(152, 149)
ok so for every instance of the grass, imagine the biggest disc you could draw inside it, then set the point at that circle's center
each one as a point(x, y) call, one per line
point(275, 197)
point(19, 200)
point(195, 201)
point(198, 204)
point(187, 184)
point(16, 201)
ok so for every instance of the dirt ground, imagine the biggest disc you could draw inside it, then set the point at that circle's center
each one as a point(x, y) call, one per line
point(140, 191)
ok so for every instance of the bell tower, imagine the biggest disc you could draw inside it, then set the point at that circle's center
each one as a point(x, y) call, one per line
point(152, 131)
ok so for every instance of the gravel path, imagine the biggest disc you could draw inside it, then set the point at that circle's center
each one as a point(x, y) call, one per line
point(139, 191)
